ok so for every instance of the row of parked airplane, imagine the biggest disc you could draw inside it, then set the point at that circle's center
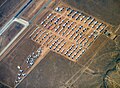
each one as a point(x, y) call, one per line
point(29, 61)
point(81, 16)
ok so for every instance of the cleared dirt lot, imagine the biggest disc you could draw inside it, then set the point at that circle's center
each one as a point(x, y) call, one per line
point(70, 24)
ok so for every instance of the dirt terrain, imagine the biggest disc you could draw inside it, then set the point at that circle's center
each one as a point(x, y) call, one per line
point(63, 48)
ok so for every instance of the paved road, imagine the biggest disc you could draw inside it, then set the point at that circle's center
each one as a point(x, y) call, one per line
point(14, 19)
point(16, 15)
point(21, 21)
point(23, 8)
